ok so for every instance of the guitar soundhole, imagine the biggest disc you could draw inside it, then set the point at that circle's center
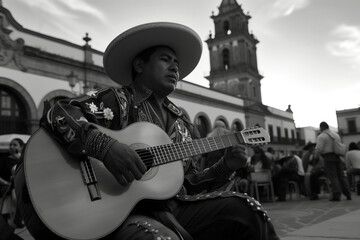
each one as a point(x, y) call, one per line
point(147, 157)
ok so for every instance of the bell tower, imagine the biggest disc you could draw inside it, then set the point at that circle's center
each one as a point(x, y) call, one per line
point(232, 51)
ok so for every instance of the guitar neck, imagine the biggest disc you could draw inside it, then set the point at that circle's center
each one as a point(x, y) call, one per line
point(154, 156)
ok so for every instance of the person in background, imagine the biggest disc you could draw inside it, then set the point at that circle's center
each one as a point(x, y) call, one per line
point(290, 168)
point(259, 161)
point(270, 154)
point(308, 162)
point(352, 163)
point(308, 156)
point(281, 154)
point(148, 61)
point(317, 171)
point(6, 182)
point(333, 165)
point(13, 158)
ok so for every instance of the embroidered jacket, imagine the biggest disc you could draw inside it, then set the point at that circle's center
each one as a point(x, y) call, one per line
point(116, 108)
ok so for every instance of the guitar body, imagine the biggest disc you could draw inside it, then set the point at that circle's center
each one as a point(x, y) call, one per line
point(61, 198)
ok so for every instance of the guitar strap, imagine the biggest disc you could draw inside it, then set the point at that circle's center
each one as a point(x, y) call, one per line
point(193, 130)
point(133, 111)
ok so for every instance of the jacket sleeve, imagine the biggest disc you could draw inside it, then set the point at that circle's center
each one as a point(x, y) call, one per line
point(70, 121)
point(208, 180)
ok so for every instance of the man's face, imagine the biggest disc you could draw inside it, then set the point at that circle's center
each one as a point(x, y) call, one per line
point(161, 73)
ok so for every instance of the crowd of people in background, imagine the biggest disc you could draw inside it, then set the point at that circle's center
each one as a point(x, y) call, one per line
point(314, 168)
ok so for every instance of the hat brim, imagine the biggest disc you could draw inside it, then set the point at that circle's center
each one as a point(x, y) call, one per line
point(308, 146)
point(120, 53)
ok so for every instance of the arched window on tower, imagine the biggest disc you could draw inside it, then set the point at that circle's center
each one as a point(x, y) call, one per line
point(13, 116)
point(226, 59)
point(227, 29)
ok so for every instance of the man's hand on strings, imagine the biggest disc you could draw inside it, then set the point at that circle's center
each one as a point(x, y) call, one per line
point(124, 163)
point(235, 157)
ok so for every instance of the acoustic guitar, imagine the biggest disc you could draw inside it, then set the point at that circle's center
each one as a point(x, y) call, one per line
point(82, 200)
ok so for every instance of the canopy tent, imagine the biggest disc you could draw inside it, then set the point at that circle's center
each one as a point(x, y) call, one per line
point(5, 140)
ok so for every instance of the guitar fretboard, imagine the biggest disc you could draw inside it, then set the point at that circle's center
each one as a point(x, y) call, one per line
point(154, 156)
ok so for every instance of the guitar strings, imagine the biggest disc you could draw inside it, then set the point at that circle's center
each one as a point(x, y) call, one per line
point(157, 155)
point(164, 150)
point(210, 146)
point(166, 153)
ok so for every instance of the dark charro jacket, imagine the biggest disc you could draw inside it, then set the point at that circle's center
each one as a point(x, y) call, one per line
point(116, 108)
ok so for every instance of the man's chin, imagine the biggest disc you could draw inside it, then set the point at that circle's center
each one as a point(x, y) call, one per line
point(168, 90)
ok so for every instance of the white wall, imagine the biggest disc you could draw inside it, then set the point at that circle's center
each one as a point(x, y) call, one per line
point(193, 108)
point(37, 86)
point(283, 124)
point(199, 90)
point(212, 112)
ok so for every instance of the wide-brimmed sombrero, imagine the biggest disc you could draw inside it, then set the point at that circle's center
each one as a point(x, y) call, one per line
point(309, 145)
point(124, 48)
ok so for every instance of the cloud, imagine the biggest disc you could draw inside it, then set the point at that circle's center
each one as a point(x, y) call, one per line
point(49, 7)
point(282, 8)
point(346, 44)
point(61, 8)
point(83, 6)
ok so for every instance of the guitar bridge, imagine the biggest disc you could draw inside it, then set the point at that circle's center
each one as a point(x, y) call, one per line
point(89, 178)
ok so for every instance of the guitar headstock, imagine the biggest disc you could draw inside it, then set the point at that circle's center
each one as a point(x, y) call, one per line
point(255, 136)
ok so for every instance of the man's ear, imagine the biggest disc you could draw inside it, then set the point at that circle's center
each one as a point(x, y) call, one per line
point(138, 65)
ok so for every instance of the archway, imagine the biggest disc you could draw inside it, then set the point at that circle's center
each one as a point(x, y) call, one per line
point(17, 109)
point(202, 122)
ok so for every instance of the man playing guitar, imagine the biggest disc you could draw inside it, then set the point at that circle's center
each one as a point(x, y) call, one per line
point(147, 61)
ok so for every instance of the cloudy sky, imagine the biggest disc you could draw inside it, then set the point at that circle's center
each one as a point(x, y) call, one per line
point(309, 50)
